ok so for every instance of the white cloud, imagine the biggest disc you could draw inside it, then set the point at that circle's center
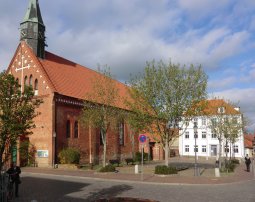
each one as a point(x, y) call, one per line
point(222, 83)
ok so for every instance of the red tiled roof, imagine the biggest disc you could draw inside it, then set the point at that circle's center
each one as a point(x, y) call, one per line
point(68, 78)
point(248, 141)
point(213, 105)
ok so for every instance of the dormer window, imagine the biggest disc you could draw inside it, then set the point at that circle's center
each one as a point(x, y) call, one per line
point(221, 110)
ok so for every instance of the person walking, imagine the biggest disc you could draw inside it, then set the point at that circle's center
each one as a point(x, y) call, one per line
point(247, 162)
point(14, 172)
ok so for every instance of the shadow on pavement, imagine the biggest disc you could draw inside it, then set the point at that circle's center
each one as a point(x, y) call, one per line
point(40, 190)
point(105, 194)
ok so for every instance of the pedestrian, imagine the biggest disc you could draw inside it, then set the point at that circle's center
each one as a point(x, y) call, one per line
point(247, 162)
point(14, 172)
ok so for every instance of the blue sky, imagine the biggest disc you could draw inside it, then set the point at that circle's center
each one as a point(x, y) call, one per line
point(125, 34)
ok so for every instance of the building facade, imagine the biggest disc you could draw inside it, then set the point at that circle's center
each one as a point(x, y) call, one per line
point(62, 85)
point(203, 141)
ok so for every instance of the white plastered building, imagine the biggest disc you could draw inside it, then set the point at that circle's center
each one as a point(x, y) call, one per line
point(207, 143)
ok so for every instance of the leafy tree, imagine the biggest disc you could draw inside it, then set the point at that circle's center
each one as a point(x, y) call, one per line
point(160, 96)
point(227, 124)
point(17, 110)
point(100, 109)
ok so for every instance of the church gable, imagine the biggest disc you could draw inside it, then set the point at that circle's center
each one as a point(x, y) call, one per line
point(27, 69)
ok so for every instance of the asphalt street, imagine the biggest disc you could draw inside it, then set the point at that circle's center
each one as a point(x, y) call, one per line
point(46, 187)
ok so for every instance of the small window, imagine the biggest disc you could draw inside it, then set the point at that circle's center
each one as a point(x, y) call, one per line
point(196, 135)
point(204, 148)
point(68, 129)
point(221, 110)
point(236, 149)
point(31, 80)
point(204, 121)
point(76, 129)
point(227, 149)
point(203, 134)
point(186, 135)
point(121, 133)
point(186, 148)
point(214, 136)
point(195, 148)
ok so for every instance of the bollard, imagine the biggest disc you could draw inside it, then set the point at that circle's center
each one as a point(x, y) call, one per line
point(136, 169)
point(217, 172)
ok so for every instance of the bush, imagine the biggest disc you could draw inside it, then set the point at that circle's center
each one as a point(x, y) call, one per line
point(228, 166)
point(138, 156)
point(165, 170)
point(69, 156)
point(108, 168)
point(235, 161)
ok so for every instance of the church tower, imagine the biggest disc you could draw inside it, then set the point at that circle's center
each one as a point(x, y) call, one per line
point(32, 29)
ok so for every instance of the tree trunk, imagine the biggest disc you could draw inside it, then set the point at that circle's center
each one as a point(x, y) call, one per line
point(104, 158)
point(220, 148)
point(166, 153)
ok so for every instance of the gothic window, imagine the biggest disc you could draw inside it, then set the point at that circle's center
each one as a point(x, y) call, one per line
point(68, 129)
point(121, 133)
point(101, 138)
point(25, 81)
point(76, 129)
point(36, 87)
point(31, 80)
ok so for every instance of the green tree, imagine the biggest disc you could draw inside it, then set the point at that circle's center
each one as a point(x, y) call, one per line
point(101, 106)
point(160, 97)
point(17, 110)
point(227, 124)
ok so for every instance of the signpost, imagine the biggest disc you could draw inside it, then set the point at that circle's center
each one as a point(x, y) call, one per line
point(142, 139)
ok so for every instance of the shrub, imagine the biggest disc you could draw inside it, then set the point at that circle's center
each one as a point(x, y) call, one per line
point(235, 161)
point(138, 156)
point(228, 167)
point(69, 155)
point(108, 168)
point(165, 170)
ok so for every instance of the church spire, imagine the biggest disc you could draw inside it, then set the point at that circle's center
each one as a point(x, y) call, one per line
point(32, 29)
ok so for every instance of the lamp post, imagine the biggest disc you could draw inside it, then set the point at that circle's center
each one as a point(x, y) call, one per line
point(195, 135)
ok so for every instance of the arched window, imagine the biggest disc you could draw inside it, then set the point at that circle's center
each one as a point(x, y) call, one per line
point(121, 133)
point(31, 80)
point(36, 87)
point(76, 129)
point(25, 81)
point(68, 129)
point(17, 80)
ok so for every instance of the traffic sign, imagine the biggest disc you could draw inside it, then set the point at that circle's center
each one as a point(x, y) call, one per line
point(142, 138)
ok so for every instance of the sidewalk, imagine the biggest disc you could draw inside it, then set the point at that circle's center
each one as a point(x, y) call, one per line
point(126, 173)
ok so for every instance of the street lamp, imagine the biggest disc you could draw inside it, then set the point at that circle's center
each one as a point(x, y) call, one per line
point(195, 135)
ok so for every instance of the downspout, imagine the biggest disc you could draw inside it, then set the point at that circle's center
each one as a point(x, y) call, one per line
point(54, 132)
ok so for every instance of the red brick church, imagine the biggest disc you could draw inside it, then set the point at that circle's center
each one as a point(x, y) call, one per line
point(62, 85)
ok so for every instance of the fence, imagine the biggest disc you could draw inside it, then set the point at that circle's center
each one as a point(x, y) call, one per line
point(3, 186)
